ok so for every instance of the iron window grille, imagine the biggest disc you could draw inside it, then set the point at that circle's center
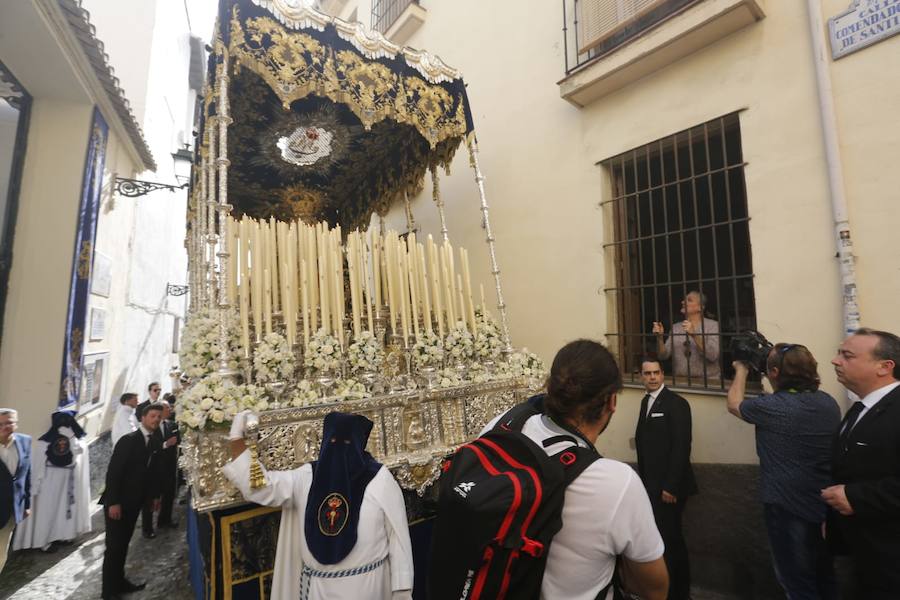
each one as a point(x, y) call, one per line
point(679, 223)
point(386, 12)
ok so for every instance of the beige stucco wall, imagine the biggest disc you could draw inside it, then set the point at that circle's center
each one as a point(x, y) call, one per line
point(31, 356)
point(539, 152)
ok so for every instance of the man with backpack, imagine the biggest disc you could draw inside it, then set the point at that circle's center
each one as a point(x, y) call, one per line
point(531, 510)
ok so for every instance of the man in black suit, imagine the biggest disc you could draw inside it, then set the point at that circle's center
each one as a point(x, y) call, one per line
point(15, 478)
point(131, 480)
point(168, 485)
point(663, 444)
point(147, 511)
point(866, 463)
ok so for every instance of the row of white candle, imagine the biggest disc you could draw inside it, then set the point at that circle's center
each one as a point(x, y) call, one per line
point(298, 270)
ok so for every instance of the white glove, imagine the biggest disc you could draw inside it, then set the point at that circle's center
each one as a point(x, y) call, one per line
point(66, 431)
point(239, 425)
point(401, 595)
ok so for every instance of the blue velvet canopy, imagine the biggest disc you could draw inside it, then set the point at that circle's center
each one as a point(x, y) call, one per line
point(329, 121)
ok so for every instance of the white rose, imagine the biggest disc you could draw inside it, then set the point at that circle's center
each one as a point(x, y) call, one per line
point(206, 403)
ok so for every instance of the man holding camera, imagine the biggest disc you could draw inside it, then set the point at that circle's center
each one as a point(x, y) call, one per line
point(866, 463)
point(794, 429)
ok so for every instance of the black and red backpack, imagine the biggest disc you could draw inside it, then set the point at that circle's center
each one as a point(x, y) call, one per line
point(499, 505)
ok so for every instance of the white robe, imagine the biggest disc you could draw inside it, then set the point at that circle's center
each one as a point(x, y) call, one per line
point(50, 498)
point(382, 532)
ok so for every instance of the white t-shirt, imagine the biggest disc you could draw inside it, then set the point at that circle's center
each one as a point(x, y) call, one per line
point(606, 514)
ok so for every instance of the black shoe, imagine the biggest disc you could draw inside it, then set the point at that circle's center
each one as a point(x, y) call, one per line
point(129, 587)
point(111, 597)
point(149, 534)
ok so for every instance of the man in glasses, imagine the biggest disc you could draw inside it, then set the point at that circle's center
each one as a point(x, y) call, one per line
point(794, 427)
point(866, 463)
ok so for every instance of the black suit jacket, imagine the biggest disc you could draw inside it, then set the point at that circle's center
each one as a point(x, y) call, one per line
point(133, 473)
point(868, 464)
point(663, 443)
point(169, 456)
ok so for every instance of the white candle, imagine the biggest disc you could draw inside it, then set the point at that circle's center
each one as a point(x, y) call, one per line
point(272, 245)
point(256, 276)
point(426, 302)
point(470, 306)
point(354, 292)
point(435, 286)
point(304, 292)
point(324, 292)
point(413, 279)
point(267, 307)
point(403, 268)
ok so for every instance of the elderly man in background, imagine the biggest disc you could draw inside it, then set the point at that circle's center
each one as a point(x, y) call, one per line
point(694, 343)
point(866, 463)
point(15, 478)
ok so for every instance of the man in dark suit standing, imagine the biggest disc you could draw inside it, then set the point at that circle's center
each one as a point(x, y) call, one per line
point(15, 478)
point(866, 463)
point(168, 485)
point(131, 479)
point(663, 444)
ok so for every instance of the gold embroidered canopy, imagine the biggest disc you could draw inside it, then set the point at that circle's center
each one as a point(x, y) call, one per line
point(326, 120)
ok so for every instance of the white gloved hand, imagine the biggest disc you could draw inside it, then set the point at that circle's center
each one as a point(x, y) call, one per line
point(239, 425)
point(66, 431)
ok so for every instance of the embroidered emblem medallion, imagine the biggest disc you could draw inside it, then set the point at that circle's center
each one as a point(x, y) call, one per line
point(333, 514)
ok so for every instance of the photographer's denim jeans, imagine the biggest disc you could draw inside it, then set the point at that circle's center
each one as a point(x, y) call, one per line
point(802, 562)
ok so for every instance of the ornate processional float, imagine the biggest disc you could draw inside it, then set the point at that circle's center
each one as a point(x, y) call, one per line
point(313, 128)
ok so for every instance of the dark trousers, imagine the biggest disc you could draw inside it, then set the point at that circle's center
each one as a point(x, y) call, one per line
point(147, 516)
point(668, 521)
point(169, 490)
point(803, 564)
point(118, 536)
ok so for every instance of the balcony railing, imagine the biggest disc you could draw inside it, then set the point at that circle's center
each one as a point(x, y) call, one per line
point(386, 12)
point(594, 28)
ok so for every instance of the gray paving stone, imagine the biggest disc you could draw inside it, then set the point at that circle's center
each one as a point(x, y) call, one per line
point(73, 571)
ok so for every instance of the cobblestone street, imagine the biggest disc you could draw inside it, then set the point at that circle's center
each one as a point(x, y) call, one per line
point(73, 571)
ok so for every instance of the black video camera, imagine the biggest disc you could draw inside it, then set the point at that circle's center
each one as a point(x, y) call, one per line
point(752, 348)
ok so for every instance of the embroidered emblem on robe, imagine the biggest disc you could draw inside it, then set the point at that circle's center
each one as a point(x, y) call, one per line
point(333, 514)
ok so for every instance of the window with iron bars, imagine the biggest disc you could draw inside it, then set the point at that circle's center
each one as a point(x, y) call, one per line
point(386, 12)
point(681, 252)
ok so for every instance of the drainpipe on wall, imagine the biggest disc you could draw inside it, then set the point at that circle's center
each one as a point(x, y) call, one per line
point(846, 261)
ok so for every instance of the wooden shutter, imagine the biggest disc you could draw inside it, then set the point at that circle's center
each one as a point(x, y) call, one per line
point(598, 19)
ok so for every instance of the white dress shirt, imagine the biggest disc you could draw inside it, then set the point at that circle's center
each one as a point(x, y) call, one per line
point(9, 454)
point(124, 423)
point(653, 396)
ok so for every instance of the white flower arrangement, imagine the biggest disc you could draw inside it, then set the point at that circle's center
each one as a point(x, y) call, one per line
point(365, 354)
point(448, 378)
point(303, 395)
point(526, 364)
point(458, 345)
point(200, 343)
point(323, 353)
point(488, 340)
point(428, 350)
point(215, 399)
point(273, 359)
point(350, 389)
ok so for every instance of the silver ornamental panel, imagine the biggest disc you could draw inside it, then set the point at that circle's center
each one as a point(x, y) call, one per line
point(412, 433)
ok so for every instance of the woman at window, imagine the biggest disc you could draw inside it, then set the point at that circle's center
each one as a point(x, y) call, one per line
point(694, 343)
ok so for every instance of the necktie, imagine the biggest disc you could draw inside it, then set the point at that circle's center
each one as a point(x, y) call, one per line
point(645, 405)
point(850, 421)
